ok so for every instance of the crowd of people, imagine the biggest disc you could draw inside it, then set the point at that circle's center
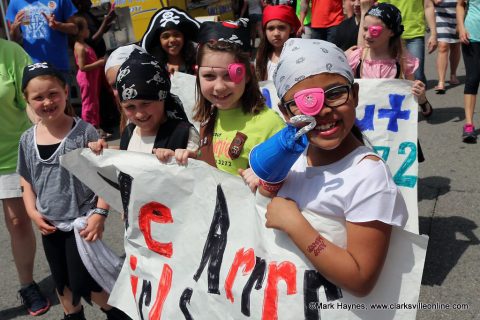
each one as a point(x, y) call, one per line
point(311, 50)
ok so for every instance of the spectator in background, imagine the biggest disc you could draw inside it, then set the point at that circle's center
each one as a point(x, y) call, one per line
point(13, 122)
point(326, 16)
point(307, 22)
point(469, 33)
point(41, 27)
point(255, 8)
point(347, 32)
point(88, 75)
point(109, 115)
point(414, 13)
point(446, 21)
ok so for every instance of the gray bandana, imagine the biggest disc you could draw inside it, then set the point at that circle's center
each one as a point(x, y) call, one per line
point(303, 58)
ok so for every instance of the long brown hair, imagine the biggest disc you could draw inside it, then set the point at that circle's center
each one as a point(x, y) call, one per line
point(261, 61)
point(69, 111)
point(252, 100)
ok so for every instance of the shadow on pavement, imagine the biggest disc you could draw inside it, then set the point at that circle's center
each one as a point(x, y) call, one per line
point(429, 188)
point(450, 238)
point(444, 114)
point(432, 83)
point(48, 289)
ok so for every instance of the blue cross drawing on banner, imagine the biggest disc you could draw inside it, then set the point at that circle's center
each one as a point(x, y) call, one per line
point(396, 101)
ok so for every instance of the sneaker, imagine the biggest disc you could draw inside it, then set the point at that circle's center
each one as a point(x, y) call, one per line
point(469, 135)
point(34, 300)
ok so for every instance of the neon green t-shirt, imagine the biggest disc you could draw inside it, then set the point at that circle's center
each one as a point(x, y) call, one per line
point(413, 17)
point(258, 128)
point(308, 18)
point(13, 117)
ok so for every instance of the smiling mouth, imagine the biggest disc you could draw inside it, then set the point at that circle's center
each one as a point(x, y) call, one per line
point(49, 110)
point(326, 126)
point(222, 97)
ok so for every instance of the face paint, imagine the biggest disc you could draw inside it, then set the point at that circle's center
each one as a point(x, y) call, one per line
point(309, 101)
point(236, 71)
point(375, 31)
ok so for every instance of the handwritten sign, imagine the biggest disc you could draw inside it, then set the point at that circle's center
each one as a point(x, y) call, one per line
point(197, 248)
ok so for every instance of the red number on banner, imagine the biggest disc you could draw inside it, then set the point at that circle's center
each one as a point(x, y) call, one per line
point(155, 212)
point(286, 271)
point(245, 258)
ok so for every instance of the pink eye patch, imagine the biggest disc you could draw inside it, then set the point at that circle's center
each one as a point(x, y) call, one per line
point(375, 31)
point(236, 71)
point(310, 101)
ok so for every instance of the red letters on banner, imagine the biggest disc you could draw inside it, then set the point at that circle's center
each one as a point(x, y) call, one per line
point(155, 212)
point(245, 258)
point(286, 271)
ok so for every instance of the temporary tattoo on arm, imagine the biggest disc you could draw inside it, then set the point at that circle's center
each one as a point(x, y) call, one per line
point(316, 246)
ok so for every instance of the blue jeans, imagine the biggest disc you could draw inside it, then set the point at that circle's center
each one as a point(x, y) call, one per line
point(416, 47)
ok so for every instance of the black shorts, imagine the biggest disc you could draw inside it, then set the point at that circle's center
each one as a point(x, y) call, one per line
point(67, 267)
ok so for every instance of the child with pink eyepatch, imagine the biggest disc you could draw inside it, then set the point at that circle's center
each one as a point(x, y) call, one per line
point(380, 52)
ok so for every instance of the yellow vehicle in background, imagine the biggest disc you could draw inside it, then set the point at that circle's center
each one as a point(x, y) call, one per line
point(141, 11)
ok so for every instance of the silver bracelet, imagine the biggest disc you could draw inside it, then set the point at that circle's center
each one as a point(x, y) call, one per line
point(101, 211)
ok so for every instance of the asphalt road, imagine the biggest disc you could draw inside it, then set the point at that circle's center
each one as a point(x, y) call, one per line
point(449, 212)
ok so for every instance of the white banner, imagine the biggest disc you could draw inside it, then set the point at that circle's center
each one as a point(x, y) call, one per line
point(197, 248)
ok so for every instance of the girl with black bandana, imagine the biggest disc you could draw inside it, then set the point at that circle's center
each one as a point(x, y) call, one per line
point(158, 123)
point(170, 38)
point(381, 53)
point(53, 197)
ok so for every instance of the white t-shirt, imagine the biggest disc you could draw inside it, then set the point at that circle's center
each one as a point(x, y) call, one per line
point(352, 189)
point(271, 66)
point(145, 143)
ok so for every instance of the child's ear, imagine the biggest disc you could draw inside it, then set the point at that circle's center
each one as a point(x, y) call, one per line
point(284, 112)
point(355, 90)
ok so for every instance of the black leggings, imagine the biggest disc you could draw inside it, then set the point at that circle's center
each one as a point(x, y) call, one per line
point(67, 267)
point(471, 58)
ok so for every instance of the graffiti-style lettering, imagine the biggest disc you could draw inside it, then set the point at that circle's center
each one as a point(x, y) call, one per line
point(268, 99)
point(400, 178)
point(163, 289)
point(288, 273)
point(245, 258)
point(215, 243)
point(145, 297)
point(133, 278)
point(366, 123)
point(395, 113)
point(155, 212)
point(184, 299)
point(312, 282)
point(256, 277)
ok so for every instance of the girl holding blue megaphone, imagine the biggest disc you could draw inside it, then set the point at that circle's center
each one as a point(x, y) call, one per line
point(334, 176)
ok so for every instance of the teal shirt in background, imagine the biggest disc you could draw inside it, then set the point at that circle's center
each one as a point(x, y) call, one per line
point(472, 20)
point(13, 116)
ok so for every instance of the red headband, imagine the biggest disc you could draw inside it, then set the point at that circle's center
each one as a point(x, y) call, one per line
point(283, 13)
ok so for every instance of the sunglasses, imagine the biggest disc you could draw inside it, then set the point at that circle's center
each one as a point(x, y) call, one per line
point(311, 101)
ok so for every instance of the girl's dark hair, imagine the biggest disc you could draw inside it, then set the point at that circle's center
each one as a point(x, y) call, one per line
point(261, 61)
point(188, 53)
point(252, 100)
point(81, 24)
point(69, 111)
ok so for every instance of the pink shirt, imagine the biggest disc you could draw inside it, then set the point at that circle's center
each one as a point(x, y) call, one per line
point(375, 69)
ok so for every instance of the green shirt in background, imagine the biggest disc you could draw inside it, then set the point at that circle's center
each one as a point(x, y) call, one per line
point(413, 17)
point(308, 17)
point(258, 128)
point(13, 117)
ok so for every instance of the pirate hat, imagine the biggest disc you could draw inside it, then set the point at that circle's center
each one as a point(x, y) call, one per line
point(236, 32)
point(165, 19)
